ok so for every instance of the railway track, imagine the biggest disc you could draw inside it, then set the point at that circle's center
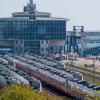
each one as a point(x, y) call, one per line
point(52, 94)
point(56, 93)
point(84, 71)
point(87, 74)
point(51, 91)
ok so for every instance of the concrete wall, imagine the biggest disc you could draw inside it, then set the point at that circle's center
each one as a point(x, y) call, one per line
point(56, 43)
point(44, 47)
point(7, 43)
point(19, 46)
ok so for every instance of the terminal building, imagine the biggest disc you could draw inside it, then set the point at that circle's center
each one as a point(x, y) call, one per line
point(32, 31)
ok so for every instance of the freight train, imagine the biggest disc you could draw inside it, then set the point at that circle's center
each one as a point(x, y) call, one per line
point(23, 77)
point(7, 78)
point(33, 82)
point(12, 77)
point(54, 67)
point(59, 79)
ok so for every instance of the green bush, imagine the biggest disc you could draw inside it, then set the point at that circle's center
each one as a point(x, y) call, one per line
point(21, 92)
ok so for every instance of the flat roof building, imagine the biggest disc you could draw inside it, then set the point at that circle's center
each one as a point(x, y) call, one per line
point(33, 31)
point(91, 40)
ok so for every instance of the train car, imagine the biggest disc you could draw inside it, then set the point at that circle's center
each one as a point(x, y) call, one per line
point(3, 61)
point(42, 75)
point(78, 75)
point(55, 65)
point(33, 82)
point(7, 72)
point(71, 87)
point(21, 79)
point(80, 94)
point(43, 62)
point(12, 80)
point(7, 79)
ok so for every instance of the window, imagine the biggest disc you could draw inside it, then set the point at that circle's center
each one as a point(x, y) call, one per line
point(42, 49)
point(46, 49)
point(16, 41)
point(46, 42)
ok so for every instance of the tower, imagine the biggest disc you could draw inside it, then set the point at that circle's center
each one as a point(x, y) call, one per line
point(31, 2)
point(31, 7)
point(80, 29)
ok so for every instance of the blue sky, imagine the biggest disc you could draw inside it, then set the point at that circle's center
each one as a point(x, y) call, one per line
point(80, 12)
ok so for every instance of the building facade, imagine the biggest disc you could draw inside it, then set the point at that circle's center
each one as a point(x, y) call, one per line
point(32, 31)
point(91, 41)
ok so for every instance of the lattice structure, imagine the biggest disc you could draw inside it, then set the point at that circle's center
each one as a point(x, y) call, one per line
point(80, 30)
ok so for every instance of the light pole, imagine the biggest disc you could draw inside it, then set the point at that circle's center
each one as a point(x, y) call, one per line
point(94, 70)
point(72, 59)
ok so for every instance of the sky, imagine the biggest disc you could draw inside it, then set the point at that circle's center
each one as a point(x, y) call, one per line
point(80, 12)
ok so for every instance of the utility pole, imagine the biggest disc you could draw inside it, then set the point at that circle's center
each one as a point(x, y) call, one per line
point(94, 70)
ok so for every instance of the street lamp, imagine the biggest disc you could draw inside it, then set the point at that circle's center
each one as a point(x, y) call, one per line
point(74, 57)
point(94, 70)
point(71, 59)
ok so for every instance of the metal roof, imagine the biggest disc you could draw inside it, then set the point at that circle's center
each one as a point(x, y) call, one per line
point(37, 18)
point(86, 33)
point(50, 18)
point(37, 13)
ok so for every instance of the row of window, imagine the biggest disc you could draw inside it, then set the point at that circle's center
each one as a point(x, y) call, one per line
point(44, 49)
point(50, 23)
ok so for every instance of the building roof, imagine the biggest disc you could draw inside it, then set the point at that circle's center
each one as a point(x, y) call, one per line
point(87, 33)
point(72, 33)
point(30, 10)
point(13, 18)
point(50, 18)
point(26, 14)
point(37, 18)
point(90, 33)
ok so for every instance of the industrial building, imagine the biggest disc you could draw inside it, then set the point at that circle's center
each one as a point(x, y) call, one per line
point(40, 33)
point(83, 42)
point(32, 31)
